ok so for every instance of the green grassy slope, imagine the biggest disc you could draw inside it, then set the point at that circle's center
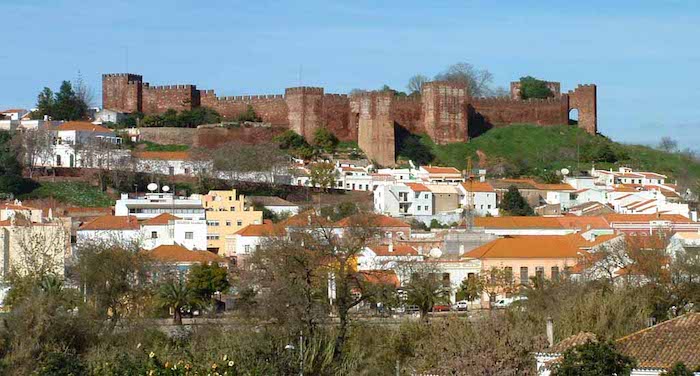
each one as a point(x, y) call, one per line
point(72, 193)
point(528, 150)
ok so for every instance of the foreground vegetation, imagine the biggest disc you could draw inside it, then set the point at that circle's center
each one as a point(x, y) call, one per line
point(71, 193)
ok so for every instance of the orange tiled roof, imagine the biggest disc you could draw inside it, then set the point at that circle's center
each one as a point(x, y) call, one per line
point(306, 218)
point(645, 218)
point(571, 342)
point(417, 187)
point(178, 253)
point(440, 170)
point(517, 222)
point(373, 220)
point(265, 229)
point(537, 246)
point(160, 220)
point(664, 344)
point(112, 222)
point(583, 222)
point(384, 277)
point(83, 126)
point(12, 110)
point(478, 186)
point(555, 187)
point(398, 250)
point(163, 155)
point(9, 206)
point(6, 222)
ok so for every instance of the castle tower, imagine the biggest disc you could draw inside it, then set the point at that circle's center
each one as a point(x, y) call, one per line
point(376, 126)
point(122, 92)
point(305, 109)
point(445, 111)
point(584, 99)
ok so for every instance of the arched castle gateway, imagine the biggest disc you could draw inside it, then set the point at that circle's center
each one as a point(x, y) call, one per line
point(444, 110)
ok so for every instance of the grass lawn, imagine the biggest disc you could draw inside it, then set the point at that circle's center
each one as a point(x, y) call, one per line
point(72, 193)
point(152, 146)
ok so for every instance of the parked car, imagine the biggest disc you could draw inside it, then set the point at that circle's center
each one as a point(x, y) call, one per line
point(462, 305)
point(441, 308)
point(506, 302)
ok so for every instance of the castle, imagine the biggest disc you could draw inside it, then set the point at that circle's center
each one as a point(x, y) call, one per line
point(444, 110)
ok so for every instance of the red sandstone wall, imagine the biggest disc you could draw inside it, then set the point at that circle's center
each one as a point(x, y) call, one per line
point(503, 111)
point(121, 92)
point(271, 108)
point(407, 113)
point(208, 137)
point(337, 116)
point(445, 116)
point(305, 106)
point(376, 127)
point(158, 99)
point(584, 99)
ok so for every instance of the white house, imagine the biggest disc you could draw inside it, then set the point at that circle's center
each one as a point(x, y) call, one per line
point(483, 197)
point(404, 199)
point(274, 204)
point(170, 162)
point(83, 144)
point(108, 116)
point(246, 240)
point(431, 174)
point(389, 257)
point(151, 205)
point(111, 229)
point(167, 229)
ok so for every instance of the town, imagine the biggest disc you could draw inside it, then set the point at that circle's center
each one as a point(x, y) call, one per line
point(454, 227)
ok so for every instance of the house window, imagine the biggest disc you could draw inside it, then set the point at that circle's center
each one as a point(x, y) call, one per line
point(426, 196)
point(213, 237)
point(228, 223)
point(212, 223)
point(524, 275)
point(171, 170)
point(555, 273)
point(154, 235)
point(239, 223)
point(509, 274)
point(539, 273)
point(233, 208)
point(247, 249)
point(189, 235)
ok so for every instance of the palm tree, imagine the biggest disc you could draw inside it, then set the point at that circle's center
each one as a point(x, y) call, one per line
point(175, 294)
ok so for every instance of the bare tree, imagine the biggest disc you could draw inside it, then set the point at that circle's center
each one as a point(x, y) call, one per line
point(83, 91)
point(415, 83)
point(668, 144)
point(477, 81)
point(34, 147)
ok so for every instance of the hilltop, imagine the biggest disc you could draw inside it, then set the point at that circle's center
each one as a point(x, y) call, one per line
point(535, 150)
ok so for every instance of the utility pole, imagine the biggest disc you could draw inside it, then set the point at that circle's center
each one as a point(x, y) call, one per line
point(469, 207)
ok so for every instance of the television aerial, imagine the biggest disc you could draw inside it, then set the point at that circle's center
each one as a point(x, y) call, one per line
point(152, 187)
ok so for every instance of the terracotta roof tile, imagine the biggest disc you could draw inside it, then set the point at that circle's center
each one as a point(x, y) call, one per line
point(417, 187)
point(440, 170)
point(178, 253)
point(373, 220)
point(571, 342)
point(536, 246)
point(265, 229)
point(477, 186)
point(112, 222)
point(397, 250)
point(662, 345)
point(160, 220)
point(82, 126)
point(384, 277)
point(515, 222)
point(645, 218)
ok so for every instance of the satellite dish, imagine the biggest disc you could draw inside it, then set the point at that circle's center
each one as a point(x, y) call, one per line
point(435, 253)
point(565, 171)
point(152, 187)
point(166, 188)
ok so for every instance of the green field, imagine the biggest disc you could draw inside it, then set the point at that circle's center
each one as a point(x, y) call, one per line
point(71, 193)
point(152, 146)
point(529, 150)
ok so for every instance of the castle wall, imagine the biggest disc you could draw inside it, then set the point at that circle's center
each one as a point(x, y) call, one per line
point(121, 92)
point(271, 108)
point(305, 106)
point(584, 99)
point(208, 137)
point(445, 112)
point(337, 116)
point(496, 112)
point(376, 127)
point(158, 99)
point(407, 113)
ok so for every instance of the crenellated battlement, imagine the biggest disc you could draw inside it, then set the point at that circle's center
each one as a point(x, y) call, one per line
point(509, 100)
point(303, 90)
point(146, 85)
point(130, 76)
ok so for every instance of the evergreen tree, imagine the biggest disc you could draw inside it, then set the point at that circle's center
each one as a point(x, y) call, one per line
point(324, 139)
point(593, 359)
point(514, 203)
point(45, 104)
point(530, 87)
point(11, 180)
point(67, 105)
point(679, 369)
point(207, 279)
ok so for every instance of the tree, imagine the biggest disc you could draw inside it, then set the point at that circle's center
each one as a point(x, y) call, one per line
point(176, 295)
point(11, 181)
point(477, 81)
point(678, 369)
point(325, 139)
point(593, 359)
point(34, 147)
point(290, 140)
point(45, 104)
point(668, 144)
point(249, 115)
point(207, 279)
point(470, 289)
point(415, 84)
point(497, 281)
point(411, 147)
point(425, 287)
point(532, 88)
point(67, 105)
point(323, 175)
point(514, 204)
point(83, 92)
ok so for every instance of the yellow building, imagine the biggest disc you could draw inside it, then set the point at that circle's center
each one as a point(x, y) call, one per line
point(226, 213)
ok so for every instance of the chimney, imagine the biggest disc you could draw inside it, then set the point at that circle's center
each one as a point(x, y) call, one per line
point(391, 247)
point(550, 331)
point(461, 249)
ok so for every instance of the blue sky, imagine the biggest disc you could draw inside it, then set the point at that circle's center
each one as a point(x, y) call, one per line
point(643, 55)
